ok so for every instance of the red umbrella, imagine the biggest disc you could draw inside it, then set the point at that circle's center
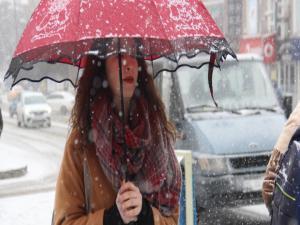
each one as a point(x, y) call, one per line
point(66, 31)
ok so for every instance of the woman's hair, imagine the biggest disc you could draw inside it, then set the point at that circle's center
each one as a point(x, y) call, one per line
point(93, 82)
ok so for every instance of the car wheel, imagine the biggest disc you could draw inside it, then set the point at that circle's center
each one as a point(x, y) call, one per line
point(63, 110)
point(18, 122)
point(49, 124)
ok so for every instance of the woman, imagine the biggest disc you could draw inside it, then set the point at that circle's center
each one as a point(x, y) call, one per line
point(104, 181)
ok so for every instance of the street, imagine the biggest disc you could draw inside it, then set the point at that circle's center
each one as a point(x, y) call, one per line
point(41, 150)
point(248, 215)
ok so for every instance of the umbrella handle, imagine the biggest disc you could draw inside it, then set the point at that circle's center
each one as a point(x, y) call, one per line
point(125, 147)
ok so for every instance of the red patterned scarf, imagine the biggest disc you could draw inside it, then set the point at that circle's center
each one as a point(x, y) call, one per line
point(149, 161)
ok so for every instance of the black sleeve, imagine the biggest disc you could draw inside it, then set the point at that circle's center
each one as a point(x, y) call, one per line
point(112, 216)
point(146, 215)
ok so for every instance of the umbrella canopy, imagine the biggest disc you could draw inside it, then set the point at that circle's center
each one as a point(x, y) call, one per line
point(66, 31)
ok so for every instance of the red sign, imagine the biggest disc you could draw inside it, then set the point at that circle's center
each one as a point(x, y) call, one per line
point(251, 45)
point(269, 50)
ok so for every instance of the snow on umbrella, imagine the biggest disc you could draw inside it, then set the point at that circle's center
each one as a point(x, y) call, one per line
point(66, 31)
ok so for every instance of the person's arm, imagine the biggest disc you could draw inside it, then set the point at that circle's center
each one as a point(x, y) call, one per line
point(69, 199)
point(280, 148)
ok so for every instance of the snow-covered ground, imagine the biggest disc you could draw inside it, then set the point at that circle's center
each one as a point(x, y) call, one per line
point(29, 147)
point(27, 209)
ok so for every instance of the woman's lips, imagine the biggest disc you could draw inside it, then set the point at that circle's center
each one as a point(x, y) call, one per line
point(128, 80)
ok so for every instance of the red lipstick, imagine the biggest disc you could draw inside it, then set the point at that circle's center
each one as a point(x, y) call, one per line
point(128, 79)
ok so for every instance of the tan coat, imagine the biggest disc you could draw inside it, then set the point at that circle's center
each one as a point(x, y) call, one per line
point(74, 181)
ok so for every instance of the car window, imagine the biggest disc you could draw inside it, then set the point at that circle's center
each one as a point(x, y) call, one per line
point(56, 96)
point(235, 86)
point(34, 99)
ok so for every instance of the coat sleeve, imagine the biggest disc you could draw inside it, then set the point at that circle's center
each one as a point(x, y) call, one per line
point(159, 219)
point(69, 198)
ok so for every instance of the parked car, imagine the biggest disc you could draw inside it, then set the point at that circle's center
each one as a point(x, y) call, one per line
point(61, 102)
point(33, 110)
point(230, 144)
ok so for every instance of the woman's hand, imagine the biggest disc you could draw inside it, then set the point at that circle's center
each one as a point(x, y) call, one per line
point(129, 202)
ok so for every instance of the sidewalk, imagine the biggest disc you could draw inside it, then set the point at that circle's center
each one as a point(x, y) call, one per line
point(30, 209)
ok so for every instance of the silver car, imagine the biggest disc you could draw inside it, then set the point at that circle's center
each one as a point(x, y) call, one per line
point(33, 110)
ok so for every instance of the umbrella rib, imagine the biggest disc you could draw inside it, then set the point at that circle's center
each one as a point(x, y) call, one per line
point(76, 45)
point(165, 35)
point(169, 41)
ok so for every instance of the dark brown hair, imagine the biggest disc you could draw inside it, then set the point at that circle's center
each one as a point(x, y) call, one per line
point(93, 82)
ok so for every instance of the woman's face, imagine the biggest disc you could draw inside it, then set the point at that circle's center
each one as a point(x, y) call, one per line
point(129, 74)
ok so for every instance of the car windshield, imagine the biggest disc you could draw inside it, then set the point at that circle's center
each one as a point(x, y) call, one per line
point(34, 99)
point(239, 85)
